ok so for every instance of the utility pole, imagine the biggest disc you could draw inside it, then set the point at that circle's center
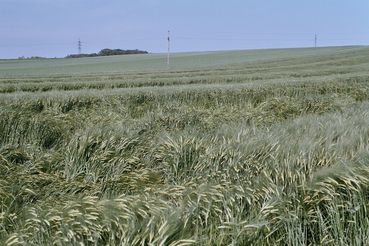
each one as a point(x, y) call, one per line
point(168, 55)
point(79, 46)
point(316, 40)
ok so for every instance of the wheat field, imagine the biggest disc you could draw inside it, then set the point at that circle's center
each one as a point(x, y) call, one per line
point(259, 147)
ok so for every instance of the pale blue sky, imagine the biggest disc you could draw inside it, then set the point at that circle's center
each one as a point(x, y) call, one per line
point(52, 27)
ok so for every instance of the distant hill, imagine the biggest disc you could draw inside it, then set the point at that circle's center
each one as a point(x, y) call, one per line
point(109, 52)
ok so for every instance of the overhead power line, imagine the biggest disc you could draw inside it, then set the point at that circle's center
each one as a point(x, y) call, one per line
point(321, 38)
point(79, 46)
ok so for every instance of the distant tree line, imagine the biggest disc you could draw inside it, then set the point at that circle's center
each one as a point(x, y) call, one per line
point(31, 57)
point(109, 52)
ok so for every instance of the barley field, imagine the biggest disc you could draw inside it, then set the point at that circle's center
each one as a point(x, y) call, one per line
point(258, 147)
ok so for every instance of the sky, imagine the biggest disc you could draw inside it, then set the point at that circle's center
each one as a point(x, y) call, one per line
point(51, 28)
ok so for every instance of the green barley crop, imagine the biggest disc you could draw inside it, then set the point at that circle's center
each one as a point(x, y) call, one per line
point(225, 148)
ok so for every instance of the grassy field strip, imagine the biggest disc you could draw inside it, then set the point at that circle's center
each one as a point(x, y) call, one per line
point(73, 85)
point(188, 88)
